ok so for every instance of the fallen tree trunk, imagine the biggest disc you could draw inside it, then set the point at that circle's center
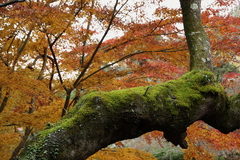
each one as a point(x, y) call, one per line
point(102, 118)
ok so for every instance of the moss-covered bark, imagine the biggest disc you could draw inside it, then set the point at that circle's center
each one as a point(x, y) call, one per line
point(197, 39)
point(102, 118)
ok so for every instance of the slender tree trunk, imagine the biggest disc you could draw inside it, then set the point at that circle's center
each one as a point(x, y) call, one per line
point(31, 109)
point(197, 39)
point(27, 133)
point(21, 144)
point(4, 101)
point(67, 102)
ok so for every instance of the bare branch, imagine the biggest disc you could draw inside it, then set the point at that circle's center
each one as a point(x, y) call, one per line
point(128, 56)
point(11, 2)
point(78, 80)
point(21, 48)
point(54, 58)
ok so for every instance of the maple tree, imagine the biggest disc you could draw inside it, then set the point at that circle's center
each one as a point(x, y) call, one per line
point(144, 55)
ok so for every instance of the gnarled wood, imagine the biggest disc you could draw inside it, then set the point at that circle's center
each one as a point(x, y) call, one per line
point(102, 118)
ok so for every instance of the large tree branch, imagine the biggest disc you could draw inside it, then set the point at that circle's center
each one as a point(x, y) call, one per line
point(11, 2)
point(102, 118)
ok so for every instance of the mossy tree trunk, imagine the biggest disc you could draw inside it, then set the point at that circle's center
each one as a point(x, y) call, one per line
point(197, 39)
point(102, 118)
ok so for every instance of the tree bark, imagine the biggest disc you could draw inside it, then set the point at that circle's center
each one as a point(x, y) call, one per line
point(197, 39)
point(102, 118)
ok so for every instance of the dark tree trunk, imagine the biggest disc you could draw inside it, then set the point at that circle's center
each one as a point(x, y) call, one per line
point(21, 144)
point(4, 101)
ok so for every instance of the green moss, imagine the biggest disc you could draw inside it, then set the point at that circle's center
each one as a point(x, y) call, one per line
point(171, 95)
point(235, 105)
point(175, 99)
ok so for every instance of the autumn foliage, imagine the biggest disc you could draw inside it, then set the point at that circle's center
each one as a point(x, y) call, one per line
point(205, 142)
point(51, 55)
point(121, 153)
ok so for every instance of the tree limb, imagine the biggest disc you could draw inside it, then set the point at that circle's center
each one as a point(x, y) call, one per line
point(78, 80)
point(11, 2)
point(126, 57)
point(102, 118)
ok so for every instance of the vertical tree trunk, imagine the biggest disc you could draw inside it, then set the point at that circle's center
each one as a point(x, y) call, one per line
point(67, 101)
point(4, 101)
point(16, 151)
point(197, 39)
point(27, 133)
